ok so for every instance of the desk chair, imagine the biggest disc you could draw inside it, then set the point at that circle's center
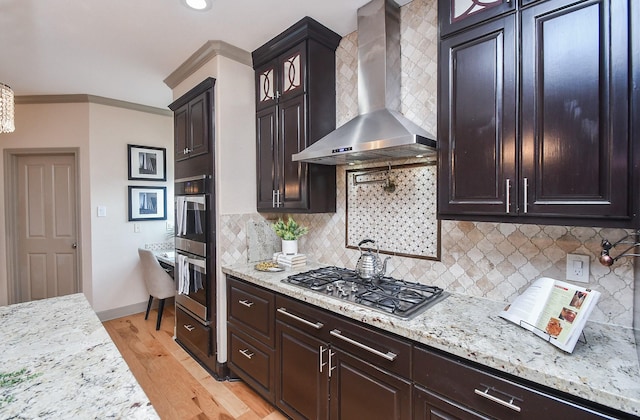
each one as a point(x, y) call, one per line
point(159, 283)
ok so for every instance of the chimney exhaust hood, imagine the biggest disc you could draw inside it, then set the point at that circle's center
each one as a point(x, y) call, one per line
point(380, 131)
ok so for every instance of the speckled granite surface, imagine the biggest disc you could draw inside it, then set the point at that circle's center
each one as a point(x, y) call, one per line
point(72, 369)
point(605, 370)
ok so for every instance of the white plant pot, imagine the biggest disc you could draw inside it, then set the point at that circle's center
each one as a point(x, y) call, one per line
point(290, 247)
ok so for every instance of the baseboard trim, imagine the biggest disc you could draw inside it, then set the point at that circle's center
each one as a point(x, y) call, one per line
point(136, 308)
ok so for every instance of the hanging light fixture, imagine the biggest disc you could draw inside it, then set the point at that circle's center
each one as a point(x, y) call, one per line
point(7, 124)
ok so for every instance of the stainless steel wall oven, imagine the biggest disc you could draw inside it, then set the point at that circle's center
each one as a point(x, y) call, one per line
point(195, 317)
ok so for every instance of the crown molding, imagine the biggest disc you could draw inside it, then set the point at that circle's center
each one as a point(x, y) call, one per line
point(69, 99)
point(202, 56)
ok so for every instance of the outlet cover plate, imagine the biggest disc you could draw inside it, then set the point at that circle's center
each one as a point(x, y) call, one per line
point(578, 268)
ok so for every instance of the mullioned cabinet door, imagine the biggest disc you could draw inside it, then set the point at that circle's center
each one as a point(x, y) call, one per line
point(455, 15)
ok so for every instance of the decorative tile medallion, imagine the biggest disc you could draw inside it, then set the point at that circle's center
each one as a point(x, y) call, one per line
point(394, 207)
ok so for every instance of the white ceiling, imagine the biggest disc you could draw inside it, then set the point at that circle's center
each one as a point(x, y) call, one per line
point(124, 49)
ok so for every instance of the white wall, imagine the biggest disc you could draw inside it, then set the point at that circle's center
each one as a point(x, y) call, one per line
point(117, 278)
point(110, 276)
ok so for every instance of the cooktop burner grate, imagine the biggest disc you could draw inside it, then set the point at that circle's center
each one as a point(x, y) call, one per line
point(396, 297)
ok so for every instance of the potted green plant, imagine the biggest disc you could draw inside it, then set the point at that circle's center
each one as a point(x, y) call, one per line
point(289, 232)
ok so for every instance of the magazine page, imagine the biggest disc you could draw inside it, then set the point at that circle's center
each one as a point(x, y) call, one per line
point(525, 310)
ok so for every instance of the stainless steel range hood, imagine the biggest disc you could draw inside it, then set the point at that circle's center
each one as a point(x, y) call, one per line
point(380, 131)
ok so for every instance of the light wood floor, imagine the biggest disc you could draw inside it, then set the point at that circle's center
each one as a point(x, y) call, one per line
point(177, 386)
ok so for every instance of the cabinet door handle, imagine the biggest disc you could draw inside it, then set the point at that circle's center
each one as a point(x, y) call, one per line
point(322, 350)
point(246, 303)
point(508, 200)
point(273, 198)
point(245, 353)
point(316, 325)
point(388, 355)
point(278, 203)
point(526, 195)
point(189, 327)
point(508, 404)
point(331, 368)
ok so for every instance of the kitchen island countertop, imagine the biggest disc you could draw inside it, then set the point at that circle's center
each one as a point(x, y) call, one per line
point(64, 364)
point(604, 370)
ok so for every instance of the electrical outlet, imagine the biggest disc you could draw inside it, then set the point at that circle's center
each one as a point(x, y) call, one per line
point(578, 268)
point(136, 228)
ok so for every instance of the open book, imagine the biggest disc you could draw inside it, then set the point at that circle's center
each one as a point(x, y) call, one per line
point(554, 310)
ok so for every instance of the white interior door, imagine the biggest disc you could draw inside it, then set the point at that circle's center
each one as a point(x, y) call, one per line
point(46, 226)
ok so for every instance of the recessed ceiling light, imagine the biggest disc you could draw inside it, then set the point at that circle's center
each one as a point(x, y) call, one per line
point(198, 4)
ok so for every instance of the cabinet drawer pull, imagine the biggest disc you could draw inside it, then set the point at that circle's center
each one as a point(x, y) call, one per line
point(508, 404)
point(388, 355)
point(508, 194)
point(316, 325)
point(331, 368)
point(246, 303)
point(526, 195)
point(189, 327)
point(322, 350)
point(246, 353)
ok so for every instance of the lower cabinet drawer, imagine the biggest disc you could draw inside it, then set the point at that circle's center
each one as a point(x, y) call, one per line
point(192, 334)
point(252, 361)
point(488, 394)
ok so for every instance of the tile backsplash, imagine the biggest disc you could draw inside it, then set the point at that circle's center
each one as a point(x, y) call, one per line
point(496, 261)
point(406, 194)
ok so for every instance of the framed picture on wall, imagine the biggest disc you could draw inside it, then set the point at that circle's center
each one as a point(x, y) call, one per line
point(147, 203)
point(147, 163)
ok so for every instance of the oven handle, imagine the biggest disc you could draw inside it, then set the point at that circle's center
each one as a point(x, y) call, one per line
point(198, 199)
point(199, 264)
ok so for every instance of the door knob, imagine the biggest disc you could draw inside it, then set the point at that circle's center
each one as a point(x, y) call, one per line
point(74, 245)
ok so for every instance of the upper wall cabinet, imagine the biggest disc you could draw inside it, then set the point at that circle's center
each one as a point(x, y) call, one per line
point(538, 128)
point(296, 106)
point(193, 129)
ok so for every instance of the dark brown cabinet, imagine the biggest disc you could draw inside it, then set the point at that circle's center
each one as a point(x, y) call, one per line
point(536, 128)
point(314, 364)
point(477, 119)
point(332, 368)
point(302, 389)
point(449, 388)
point(295, 106)
point(193, 125)
point(251, 336)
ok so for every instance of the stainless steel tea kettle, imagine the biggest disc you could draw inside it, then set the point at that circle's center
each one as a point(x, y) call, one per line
point(369, 266)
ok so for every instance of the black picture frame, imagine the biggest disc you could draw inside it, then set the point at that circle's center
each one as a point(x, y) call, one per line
point(147, 203)
point(147, 163)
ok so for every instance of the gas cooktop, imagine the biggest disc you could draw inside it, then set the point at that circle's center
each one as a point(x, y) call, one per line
point(400, 298)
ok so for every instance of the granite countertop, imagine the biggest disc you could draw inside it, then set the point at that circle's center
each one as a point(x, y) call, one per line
point(604, 370)
point(65, 364)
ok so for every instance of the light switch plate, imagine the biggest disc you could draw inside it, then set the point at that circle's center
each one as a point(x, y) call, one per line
point(102, 211)
point(578, 268)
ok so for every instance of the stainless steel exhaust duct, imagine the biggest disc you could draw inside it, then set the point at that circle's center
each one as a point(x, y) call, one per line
point(380, 131)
